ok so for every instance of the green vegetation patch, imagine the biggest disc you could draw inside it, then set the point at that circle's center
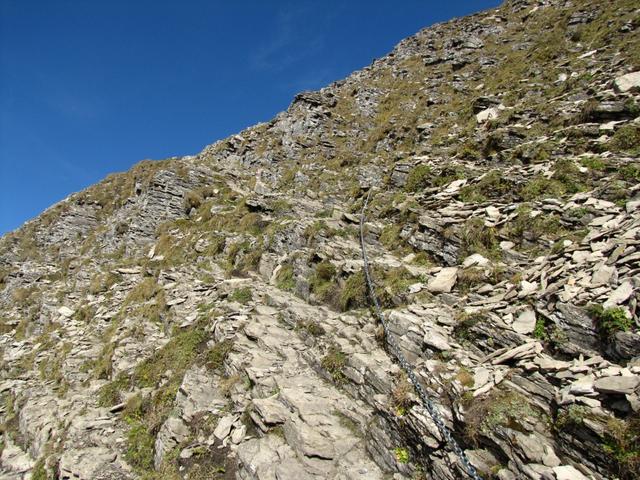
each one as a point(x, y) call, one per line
point(285, 279)
point(610, 320)
point(493, 185)
point(419, 178)
point(498, 409)
point(476, 237)
point(334, 362)
point(626, 139)
point(241, 295)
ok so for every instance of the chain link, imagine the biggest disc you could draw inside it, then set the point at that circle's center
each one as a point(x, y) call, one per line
point(395, 350)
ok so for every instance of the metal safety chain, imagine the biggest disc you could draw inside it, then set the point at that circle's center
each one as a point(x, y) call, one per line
point(395, 350)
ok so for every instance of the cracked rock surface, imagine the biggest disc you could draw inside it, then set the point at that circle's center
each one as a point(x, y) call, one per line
point(207, 316)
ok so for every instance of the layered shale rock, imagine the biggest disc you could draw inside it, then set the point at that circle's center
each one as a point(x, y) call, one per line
point(208, 317)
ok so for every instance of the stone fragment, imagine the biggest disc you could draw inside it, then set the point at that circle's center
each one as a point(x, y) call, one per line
point(602, 275)
point(567, 472)
point(617, 385)
point(619, 295)
point(490, 113)
point(86, 463)
point(443, 281)
point(224, 426)
point(437, 340)
point(271, 411)
point(475, 260)
point(526, 350)
point(527, 288)
point(66, 312)
point(628, 82)
point(525, 322)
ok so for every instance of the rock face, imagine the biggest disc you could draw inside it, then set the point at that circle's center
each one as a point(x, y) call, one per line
point(207, 316)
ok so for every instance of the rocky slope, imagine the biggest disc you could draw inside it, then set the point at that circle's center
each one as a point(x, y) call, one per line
point(207, 317)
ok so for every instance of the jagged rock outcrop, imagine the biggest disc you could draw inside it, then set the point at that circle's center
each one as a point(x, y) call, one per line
point(207, 316)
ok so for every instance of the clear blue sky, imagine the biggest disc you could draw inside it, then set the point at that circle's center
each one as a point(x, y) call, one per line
point(90, 87)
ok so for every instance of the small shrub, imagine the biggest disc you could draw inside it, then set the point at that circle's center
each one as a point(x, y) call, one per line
point(322, 281)
point(540, 331)
point(541, 187)
point(390, 236)
point(242, 295)
point(476, 237)
point(285, 279)
point(176, 355)
point(622, 444)
point(143, 291)
point(470, 277)
point(594, 163)
point(497, 409)
point(462, 329)
point(334, 362)
point(527, 227)
point(401, 394)
point(217, 355)
point(492, 185)
point(567, 173)
point(626, 139)
point(401, 455)
point(354, 292)
point(140, 444)
point(610, 320)
point(419, 178)
point(192, 199)
point(630, 173)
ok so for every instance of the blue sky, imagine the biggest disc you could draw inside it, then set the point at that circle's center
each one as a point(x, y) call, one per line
point(91, 87)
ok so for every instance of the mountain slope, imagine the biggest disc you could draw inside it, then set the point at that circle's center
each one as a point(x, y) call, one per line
point(207, 316)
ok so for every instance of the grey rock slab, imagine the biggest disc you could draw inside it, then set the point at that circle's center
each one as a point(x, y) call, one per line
point(307, 440)
point(86, 463)
point(526, 350)
point(475, 260)
point(603, 275)
point(224, 426)
point(567, 472)
point(619, 295)
point(66, 312)
point(617, 385)
point(444, 280)
point(490, 113)
point(436, 339)
point(525, 322)
point(14, 458)
point(628, 82)
point(270, 410)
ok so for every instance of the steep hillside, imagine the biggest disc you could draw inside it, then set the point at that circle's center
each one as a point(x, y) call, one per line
point(208, 316)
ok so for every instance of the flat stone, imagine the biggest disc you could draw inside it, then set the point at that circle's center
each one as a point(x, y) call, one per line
point(224, 426)
point(567, 472)
point(490, 113)
point(625, 83)
point(271, 411)
point(582, 386)
point(66, 312)
point(525, 322)
point(619, 295)
point(602, 275)
point(86, 463)
point(475, 260)
point(617, 385)
point(436, 340)
point(443, 281)
point(527, 288)
point(129, 270)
